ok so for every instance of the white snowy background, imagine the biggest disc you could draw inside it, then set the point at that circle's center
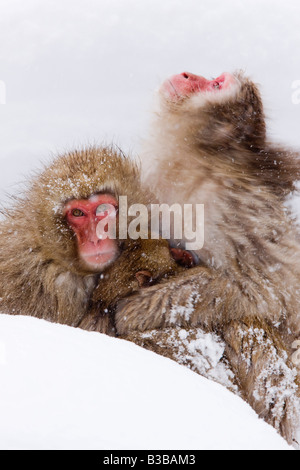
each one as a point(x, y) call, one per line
point(84, 71)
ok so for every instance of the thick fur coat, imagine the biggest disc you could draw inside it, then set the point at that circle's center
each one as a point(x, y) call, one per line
point(40, 271)
point(212, 149)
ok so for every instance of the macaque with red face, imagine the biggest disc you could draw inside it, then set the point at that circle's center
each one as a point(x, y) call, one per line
point(208, 145)
point(60, 256)
point(96, 250)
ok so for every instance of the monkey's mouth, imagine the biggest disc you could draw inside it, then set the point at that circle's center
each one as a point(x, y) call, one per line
point(99, 257)
point(99, 261)
point(185, 84)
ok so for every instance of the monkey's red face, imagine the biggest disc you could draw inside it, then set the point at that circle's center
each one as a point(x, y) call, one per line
point(92, 221)
point(186, 84)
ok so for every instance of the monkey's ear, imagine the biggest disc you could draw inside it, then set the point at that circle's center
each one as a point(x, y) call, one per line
point(183, 257)
point(144, 278)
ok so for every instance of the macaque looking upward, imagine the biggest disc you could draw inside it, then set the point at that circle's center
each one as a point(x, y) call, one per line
point(208, 145)
point(208, 139)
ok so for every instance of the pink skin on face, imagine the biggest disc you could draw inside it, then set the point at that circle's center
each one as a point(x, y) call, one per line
point(83, 216)
point(185, 84)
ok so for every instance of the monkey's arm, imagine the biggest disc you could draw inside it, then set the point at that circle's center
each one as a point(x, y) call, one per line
point(190, 299)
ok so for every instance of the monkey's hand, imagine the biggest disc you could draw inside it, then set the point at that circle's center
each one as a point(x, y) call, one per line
point(268, 381)
point(183, 257)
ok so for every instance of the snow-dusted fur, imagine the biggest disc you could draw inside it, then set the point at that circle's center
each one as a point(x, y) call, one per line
point(246, 287)
point(41, 273)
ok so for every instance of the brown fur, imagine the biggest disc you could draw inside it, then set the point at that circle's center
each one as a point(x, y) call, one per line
point(41, 274)
point(142, 262)
point(248, 289)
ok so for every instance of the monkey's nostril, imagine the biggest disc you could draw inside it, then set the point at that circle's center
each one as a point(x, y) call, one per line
point(185, 75)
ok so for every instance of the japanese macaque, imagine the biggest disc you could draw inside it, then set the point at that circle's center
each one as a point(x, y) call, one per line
point(209, 146)
point(59, 259)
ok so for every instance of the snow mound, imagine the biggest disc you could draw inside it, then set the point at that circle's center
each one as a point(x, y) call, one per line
point(64, 388)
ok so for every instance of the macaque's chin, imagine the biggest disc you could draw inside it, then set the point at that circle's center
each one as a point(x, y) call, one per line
point(97, 258)
point(185, 84)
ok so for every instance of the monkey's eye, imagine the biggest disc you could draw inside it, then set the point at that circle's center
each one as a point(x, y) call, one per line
point(103, 209)
point(77, 213)
point(216, 85)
